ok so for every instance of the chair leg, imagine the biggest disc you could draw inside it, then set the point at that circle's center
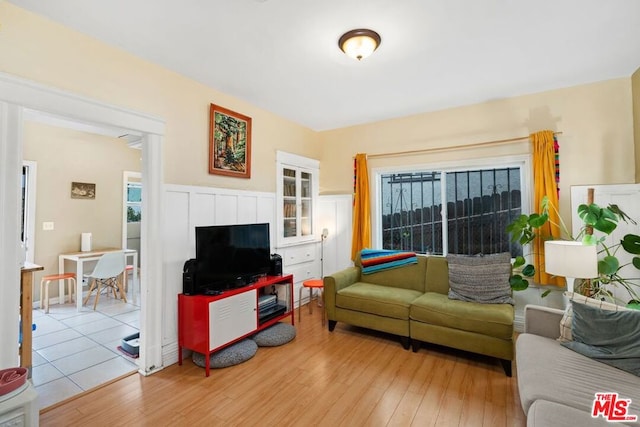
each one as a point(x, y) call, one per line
point(310, 298)
point(123, 295)
point(95, 303)
point(92, 286)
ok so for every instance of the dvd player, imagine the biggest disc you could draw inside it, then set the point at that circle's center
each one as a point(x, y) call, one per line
point(268, 314)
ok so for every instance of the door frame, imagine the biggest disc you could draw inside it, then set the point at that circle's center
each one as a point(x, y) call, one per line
point(16, 96)
point(30, 208)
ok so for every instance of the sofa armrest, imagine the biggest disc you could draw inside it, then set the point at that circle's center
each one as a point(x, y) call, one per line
point(543, 321)
point(335, 282)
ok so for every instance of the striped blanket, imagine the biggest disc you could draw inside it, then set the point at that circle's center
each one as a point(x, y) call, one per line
point(374, 260)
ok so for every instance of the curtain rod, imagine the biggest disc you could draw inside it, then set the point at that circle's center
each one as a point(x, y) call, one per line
point(453, 147)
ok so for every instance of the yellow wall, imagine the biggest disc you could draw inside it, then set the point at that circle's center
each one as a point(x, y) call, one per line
point(635, 82)
point(596, 119)
point(38, 49)
point(64, 156)
point(596, 144)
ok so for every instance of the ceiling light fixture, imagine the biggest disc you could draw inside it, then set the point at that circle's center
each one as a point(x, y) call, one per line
point(359, 44)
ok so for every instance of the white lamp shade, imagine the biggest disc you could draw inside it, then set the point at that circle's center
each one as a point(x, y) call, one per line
point(570, 259)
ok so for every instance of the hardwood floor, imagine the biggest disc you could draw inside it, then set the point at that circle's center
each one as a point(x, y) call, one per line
point(348, 377)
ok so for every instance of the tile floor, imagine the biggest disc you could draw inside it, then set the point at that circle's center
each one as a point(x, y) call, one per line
point(74, 352)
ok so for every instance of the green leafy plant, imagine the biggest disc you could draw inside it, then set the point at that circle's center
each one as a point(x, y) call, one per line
point(605, 220)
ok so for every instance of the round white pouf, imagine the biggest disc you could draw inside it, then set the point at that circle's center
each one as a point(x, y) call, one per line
point(232, 355)
point(278, 334)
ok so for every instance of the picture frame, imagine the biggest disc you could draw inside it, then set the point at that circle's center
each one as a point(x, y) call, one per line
point(229, 143)
point(83, 190)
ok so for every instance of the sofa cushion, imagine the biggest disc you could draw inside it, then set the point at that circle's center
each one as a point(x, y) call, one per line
point(494, 320)
point(377, 299)
point(481, 278)
point(548, 371)
point(543, 413)
point(437, 275)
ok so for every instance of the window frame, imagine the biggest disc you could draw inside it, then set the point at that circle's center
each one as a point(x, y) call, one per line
point(524, 162)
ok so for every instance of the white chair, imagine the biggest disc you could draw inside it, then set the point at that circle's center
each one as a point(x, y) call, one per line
point(108, 272)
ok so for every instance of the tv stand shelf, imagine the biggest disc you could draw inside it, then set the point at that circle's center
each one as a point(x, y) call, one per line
point(208, 323)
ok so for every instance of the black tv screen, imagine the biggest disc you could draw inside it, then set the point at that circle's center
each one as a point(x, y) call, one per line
point(231, 256)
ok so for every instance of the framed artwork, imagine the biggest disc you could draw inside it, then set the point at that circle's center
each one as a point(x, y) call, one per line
point(83, 190)
point(229, 143)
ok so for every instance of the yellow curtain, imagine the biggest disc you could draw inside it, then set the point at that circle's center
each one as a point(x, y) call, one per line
point(361, 207)
point(545, 185)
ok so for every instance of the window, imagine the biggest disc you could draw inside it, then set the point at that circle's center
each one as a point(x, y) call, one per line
point(475, 205)
point(134, 202)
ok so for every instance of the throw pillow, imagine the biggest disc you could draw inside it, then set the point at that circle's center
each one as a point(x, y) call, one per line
point(607, 336)
point(567, 318)
point(480, 278)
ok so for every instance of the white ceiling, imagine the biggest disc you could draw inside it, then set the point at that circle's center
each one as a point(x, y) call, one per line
point(282, 55)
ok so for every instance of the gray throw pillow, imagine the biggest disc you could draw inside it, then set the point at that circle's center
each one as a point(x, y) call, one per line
point(611, 337)
point(480, 278)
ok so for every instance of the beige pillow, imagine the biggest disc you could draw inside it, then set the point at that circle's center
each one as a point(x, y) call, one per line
point(567, 318)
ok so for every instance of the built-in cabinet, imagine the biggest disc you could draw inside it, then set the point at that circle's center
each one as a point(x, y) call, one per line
point(297, 227)
point(297, 196)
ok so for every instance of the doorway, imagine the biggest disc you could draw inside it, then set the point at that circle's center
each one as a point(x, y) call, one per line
point(75, 350)
point(18, 95)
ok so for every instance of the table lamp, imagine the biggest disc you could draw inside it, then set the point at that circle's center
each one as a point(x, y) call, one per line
point(570, 259)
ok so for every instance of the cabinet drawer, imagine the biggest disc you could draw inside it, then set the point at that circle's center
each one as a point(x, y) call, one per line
point(304, 272)
point(298, 255)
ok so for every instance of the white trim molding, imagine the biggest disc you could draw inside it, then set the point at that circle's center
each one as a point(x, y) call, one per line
point(18, 94)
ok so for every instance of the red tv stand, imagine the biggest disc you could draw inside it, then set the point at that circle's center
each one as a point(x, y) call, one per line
point(208, 323)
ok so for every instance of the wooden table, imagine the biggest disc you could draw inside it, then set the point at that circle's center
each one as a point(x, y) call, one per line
point(26, 312)
point(81, 257)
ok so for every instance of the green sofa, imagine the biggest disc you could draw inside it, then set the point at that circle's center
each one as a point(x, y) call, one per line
point(412, 302)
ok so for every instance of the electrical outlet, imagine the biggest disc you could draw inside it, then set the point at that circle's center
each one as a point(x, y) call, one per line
point(47, 226)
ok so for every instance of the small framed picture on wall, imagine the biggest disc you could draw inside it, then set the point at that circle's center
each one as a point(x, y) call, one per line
point(83, 190)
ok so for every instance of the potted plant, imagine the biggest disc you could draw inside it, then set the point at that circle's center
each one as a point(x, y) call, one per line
point(524, 230)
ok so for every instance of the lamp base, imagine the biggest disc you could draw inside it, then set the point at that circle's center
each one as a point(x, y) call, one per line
point(570, 288)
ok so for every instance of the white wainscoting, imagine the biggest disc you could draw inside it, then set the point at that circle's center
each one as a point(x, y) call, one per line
point(186, 207)
point(334, 212)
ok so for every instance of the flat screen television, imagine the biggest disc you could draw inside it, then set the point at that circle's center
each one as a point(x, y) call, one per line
point(231, 256)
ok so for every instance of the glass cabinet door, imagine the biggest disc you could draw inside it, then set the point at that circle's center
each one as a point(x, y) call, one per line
point(306, 223)
point(289, 203)
point(297, 194)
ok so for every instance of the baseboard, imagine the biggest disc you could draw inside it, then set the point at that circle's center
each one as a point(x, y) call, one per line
point(518, 323)
point(170, 354)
